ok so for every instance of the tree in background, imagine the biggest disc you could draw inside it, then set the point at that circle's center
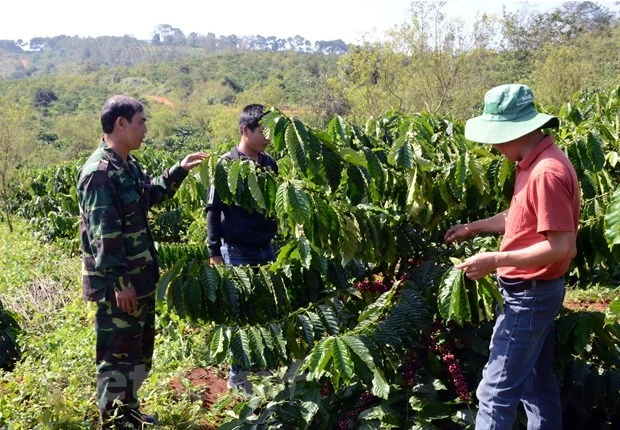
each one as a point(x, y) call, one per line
point(437, 63)
point(526, 30)
point(590, 60)
point(224, 129)
point(561, 50)
point(373, 80)
point(427, 63)
point(166, 34)
point(331, 47)
point(440, 55)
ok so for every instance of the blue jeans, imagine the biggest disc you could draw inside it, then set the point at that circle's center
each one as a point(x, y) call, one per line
point(520, 366)
point(235, 255)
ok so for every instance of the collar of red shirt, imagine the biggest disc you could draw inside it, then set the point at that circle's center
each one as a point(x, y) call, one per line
point(535, 152)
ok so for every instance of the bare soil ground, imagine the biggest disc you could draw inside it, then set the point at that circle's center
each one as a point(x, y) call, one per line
point(207, 381)
point(591, 305)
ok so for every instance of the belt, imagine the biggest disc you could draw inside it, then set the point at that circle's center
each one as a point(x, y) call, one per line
point(517, 285)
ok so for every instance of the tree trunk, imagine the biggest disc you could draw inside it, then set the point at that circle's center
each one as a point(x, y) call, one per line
point(7, 210)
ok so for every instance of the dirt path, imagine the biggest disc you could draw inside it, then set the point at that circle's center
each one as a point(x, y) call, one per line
point(162, 100)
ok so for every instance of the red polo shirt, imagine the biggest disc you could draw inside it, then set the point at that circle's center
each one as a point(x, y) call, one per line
point(546, 198)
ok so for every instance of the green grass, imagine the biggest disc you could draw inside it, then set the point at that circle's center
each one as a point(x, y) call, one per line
point(22, 259)
point(53, 386)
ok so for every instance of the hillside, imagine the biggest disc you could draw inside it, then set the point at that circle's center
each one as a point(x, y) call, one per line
point(61, 54)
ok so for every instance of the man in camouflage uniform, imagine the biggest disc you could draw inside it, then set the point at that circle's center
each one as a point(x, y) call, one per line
point(119, 259)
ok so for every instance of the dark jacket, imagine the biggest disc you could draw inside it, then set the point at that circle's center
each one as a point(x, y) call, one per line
point(234, 224)
point(117, 245)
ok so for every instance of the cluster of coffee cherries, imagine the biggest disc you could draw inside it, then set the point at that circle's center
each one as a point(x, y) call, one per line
point(445, 351)
point(409, 369)
point(458, 376)
point(377, 286)
point(327, 389)
point(360, 405)
point(380, 284)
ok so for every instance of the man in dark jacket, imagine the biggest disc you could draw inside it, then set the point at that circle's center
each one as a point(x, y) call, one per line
point(119, 269)
point(235, 236)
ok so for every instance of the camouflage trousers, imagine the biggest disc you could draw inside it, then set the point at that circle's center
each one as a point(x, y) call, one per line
point(124, 354)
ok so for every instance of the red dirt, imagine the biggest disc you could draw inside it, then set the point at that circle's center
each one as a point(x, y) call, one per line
point(210, 385)
point(587, 305)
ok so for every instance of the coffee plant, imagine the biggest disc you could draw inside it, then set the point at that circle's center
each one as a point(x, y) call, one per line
point(46, 198)
point(362, 318)
point(9, 330)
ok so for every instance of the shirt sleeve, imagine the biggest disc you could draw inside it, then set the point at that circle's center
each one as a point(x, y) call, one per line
point(214, 223)
point(553, 203)
point(274, 167)
point(163, 187)
point(102, 220)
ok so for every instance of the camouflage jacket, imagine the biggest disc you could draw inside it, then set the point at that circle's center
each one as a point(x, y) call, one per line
point(117, 245)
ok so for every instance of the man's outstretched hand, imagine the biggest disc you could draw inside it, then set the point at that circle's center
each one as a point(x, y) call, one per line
point(458, 232)
point(193, 160)
point(479, 265)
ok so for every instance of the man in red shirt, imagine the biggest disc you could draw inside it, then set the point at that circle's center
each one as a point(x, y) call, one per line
point(539, 241)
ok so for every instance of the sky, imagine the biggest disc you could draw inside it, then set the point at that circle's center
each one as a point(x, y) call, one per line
point(349, 20)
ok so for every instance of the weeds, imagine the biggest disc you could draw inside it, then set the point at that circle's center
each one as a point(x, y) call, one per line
point(53, 385)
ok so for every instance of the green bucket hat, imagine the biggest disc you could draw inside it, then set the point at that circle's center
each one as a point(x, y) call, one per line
point(509, 113)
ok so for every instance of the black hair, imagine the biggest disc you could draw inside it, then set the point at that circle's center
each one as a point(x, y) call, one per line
point(118, 106)
point(251, 117)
